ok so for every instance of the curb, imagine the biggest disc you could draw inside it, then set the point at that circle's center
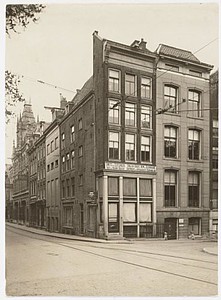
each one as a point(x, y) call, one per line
point(66, 237)
point(209, 252)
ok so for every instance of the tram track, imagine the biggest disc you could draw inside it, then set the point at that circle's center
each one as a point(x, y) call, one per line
point(124, 261)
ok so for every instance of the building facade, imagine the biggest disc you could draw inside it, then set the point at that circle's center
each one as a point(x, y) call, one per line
point(182, 142)
point(214, 130)
point(26, 125)
point(125, 164)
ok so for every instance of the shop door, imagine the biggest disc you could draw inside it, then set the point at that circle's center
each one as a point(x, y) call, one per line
point(170, 226)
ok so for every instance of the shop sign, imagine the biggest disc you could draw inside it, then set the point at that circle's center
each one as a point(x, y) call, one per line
point(129, 167)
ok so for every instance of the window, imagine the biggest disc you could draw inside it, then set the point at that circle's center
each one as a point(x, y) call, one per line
point(130, 187)
point(170, 187)
point(48, 168)
point(63, 189)
point(48, 149)
point(146, 116)
point(68, 187)
point(145, 188)
point(170, 98)
point(113, 186)
point(56, 143)
point(80, 151)
point(129, 213)
point(68, 216)
point(52, 166)
point(114, 81)
point(194, 189)
point(194, 103)
point(130, 85)
point(170, 141)
point(130, 114)
point(81, 180)
point(194, 225)
point(52, 146)
point(114, 112)
point(145, 87)
point(215, 159)
point(195, 73)
point(67, 161)
point(114, 152)
point(194, 144)
point(56, 163)
point(63, 163)
point(130, 153)
point(62, 140)
point(80, 124)
point(172, 67)
point(72, 134)
point(145, 149)
point(72, 186)
point(145, 212)
point(72, 159)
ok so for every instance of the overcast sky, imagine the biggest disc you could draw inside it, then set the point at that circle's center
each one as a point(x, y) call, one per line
point(58, 49)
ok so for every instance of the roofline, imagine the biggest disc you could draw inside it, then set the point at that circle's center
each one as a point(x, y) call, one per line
point(201, 64)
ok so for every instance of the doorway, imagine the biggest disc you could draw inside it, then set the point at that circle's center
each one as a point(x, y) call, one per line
point(170, 226)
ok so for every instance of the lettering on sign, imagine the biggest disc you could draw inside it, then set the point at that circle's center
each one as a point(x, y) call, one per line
point(129, 167)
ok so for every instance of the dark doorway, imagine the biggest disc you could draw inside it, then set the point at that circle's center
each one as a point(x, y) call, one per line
point(170, 226)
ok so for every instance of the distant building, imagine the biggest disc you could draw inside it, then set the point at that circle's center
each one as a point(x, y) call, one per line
point(8, 192)
point(214, 130)
point(26, 125)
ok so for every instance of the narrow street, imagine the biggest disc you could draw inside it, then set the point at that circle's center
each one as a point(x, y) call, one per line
point(47, 266)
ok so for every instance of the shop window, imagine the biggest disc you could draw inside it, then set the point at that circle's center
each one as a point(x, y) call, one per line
point(145, 212)
point(130, 187)
point(194, 226)
point(113, 186)
point(113, 217)
point(129, 212)
point(145, 187)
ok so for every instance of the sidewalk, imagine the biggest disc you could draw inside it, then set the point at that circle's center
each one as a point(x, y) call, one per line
point(213, 250)
point(65, 236)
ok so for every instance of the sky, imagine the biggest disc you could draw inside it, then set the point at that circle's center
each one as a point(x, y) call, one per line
point(58, 49)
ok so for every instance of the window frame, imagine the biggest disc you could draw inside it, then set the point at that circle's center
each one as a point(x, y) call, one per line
point(128, 149)
point(146, 145)
point(195, 113)
point(144, 108)
point(130, 109)
point(116, 80)
point(144, 87)
point(170, 202)
point(132, 84)
point(115, 110)
point(194, 202)
point(172, 98)
point(114, 141)
point(191, 142)
point(168, 138)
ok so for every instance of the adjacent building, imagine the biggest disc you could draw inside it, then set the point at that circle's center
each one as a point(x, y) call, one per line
point(182, 142)
point(214, 130)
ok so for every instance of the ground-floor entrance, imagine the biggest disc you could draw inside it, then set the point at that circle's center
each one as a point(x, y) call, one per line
point(170, 228)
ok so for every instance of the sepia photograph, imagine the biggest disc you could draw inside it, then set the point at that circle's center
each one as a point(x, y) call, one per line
point(111, 126)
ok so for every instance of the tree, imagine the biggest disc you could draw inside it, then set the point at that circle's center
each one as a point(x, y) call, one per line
point(17, 15)
point(21, 15)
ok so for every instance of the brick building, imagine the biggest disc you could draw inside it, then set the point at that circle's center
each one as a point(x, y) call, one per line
point(182, 142)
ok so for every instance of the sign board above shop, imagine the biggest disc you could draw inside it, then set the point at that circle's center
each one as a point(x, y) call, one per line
point(129, 167)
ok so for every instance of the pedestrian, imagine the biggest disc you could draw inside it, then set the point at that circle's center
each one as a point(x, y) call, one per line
point(165, 236)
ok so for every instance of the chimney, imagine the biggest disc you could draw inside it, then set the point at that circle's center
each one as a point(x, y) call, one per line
point(95, 32)
point(63, 101)
point(143, 44)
